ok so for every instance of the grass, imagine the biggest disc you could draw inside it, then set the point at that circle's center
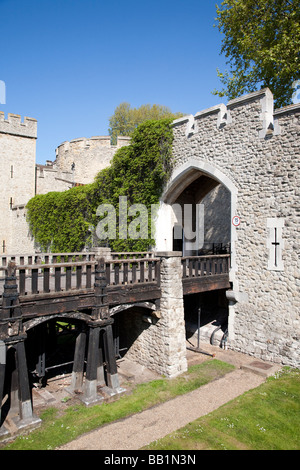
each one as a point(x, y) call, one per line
point(58, 429)
point(265, 418)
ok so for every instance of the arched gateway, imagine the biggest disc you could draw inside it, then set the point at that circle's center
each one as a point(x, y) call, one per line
point(200, 199)
point(233, 194)
point(240, 161)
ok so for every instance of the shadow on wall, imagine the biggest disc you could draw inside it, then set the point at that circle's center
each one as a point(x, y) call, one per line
point(128, 326)
point(213, 316)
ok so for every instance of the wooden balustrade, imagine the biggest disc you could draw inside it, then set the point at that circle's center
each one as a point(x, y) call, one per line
point(57, 272)
point(133, 271)
point(197, 266)
point(132, 255)
point(52, 272)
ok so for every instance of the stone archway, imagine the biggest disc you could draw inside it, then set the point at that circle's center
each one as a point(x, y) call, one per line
point(201, 179)
point(189, 175)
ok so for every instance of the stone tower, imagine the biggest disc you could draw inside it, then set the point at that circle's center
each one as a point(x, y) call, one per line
point(17, 180)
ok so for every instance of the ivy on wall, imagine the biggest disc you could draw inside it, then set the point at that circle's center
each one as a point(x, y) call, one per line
point(59, 221)
point(66, 221)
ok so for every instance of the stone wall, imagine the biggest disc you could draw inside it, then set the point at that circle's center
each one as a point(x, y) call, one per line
point(77, 162)
point(84, 158)
point(254, 152)
point(217, 216)
point(17, 176)
point(159, 340)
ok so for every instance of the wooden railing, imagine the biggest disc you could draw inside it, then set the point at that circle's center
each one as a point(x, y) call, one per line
point(133, 271)
point(132, 255)
point(54, 272)
point(61, 272)
point(197, 266)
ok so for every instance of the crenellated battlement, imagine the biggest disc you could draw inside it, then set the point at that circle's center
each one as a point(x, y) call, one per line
point(13, 125)
point(83, 158)
point(84, 143)
point(267, 118)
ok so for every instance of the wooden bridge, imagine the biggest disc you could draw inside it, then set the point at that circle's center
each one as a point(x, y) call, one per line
point(87, 289)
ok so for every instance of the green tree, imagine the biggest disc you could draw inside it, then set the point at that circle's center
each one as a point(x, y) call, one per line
point(262, 44)
point(126, 119)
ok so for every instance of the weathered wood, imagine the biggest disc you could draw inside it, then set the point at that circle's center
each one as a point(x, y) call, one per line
point(111, 364)
point(132, 293)
point(24, 395)
point(197, 277)
point(2, 371)
point(86, 291)
point(207, 283)
point(78, 364)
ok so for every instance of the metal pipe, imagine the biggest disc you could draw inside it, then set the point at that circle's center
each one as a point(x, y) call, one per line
point(197, 349)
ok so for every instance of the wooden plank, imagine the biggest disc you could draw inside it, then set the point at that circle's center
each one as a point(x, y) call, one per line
point(34, 281)
point(22, 281)
point(56, 305)
point(88, 276)
point(46, 279)
point(142, 271)
point(68, 278)
point(78, 277)
point(134, 273)
point(132, 293)
point(205, 283)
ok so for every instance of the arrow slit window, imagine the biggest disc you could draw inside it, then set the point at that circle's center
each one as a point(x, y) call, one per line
point(275, 244)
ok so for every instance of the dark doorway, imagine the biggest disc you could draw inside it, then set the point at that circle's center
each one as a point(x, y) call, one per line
point(213, 314)
point(50, 349)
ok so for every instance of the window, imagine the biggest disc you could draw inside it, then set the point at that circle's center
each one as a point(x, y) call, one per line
point(275, 244)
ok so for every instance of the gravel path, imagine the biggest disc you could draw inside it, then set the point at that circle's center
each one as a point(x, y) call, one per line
point(140, 429)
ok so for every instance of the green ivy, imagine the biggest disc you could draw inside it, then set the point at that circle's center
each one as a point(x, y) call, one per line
point(62, 221)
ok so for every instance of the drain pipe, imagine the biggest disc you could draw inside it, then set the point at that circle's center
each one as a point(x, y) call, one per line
point(197, 349)
point(224, 339)
point(213, 334)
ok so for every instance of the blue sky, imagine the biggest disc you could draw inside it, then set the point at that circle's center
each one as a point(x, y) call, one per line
point(69, 63)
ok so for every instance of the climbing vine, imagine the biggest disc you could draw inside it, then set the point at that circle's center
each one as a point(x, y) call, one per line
point(59, 221)
point(67, 221)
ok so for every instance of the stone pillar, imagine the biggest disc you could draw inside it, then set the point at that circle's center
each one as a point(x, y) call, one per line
point(102, 252)
point(171, 323)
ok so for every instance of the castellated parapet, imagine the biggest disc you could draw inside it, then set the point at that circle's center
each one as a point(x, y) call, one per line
point(77, 162)
point(254, 152)
point(17, 180)
point(13, 125)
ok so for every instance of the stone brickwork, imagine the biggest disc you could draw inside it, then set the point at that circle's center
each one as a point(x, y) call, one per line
point(254, 153)
point(77, 162)
point(161, 344)
point(250, 155)
point(17, 180)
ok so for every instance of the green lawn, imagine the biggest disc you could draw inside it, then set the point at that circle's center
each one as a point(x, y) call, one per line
point(266, 418)
point(59, 429)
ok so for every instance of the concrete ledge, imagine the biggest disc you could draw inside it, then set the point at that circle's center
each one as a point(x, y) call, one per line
point(168, 254)
point(261, 368)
